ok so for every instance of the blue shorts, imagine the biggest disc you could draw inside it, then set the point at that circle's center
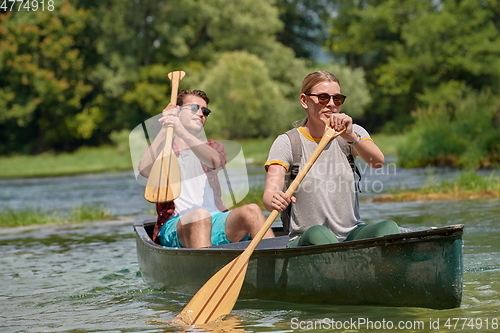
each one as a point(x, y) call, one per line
point(168, 232)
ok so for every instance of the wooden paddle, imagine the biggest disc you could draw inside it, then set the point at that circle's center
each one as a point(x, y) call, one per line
point(164, 181)
point(219, 294)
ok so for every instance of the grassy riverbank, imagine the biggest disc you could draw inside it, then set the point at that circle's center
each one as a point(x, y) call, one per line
point(466, 186)
point(117, 158)
point(85, 160)
point(11, 218)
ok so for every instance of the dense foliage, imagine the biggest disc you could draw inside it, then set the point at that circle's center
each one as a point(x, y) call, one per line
point(412, 51)
point(463, 131)
point(73, 76)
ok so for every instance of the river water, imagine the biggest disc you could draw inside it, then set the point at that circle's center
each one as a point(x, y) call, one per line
point(85, 277)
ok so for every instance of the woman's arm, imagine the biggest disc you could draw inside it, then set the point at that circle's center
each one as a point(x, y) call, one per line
point(364, 147)
point(274, 197)
point(368, 151)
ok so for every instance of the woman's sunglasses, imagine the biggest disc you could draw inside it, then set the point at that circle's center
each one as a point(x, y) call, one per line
point(324, 99)
point(195, 107)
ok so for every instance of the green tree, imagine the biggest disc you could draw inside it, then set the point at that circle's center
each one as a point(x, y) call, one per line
point(197, 33)
point(244, 108)
point(411, 49)
point(42, 81)
point(140, 42)
point(450, 134)
point(305, 25)
point(75, 75)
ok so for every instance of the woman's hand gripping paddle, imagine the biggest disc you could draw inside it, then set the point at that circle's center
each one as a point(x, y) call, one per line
point(164, 181)
point(219, 294)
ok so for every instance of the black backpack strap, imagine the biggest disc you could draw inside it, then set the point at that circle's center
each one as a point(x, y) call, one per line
point(294, 137)
point(293, 171)
point(355, 170)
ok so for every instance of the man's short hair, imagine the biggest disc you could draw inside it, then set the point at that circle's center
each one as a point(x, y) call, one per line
point(184, 93)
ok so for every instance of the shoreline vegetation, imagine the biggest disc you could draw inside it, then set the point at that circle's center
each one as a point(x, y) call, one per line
point(467, 186)
point(84, 160)
point(116, 158)
point(29, 216)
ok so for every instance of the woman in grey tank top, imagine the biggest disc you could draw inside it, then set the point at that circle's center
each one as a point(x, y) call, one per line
point(325, 207)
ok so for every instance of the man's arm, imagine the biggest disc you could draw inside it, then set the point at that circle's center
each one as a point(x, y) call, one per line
point(208, 155)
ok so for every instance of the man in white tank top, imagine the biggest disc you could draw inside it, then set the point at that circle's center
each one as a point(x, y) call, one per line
point(198, 217)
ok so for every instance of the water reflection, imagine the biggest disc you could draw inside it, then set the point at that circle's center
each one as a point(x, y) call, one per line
point(117, 192)
point(85, 278)
point(122, 195)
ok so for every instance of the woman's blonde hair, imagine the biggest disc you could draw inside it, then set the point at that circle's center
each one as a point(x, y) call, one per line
point(309, 82)
point(314, 78)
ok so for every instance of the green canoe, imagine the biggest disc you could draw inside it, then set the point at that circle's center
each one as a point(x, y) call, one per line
point(418, 268)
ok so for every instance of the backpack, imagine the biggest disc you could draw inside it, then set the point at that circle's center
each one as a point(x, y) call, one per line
point(294, 137)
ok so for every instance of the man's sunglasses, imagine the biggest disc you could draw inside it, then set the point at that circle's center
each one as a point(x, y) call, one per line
point(324, 99)
point(195, 107)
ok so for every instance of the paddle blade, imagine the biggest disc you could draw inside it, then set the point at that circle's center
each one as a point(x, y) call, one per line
point(164, 181)
point(218, 295)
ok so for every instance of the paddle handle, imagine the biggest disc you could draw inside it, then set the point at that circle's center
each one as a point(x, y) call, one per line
point(329, 135)
point(176, 78)
point(169, 137)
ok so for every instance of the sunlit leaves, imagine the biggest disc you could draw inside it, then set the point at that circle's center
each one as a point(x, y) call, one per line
point(73, 76)
point(41, 69)
point(410, 47)
point(247, 103)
